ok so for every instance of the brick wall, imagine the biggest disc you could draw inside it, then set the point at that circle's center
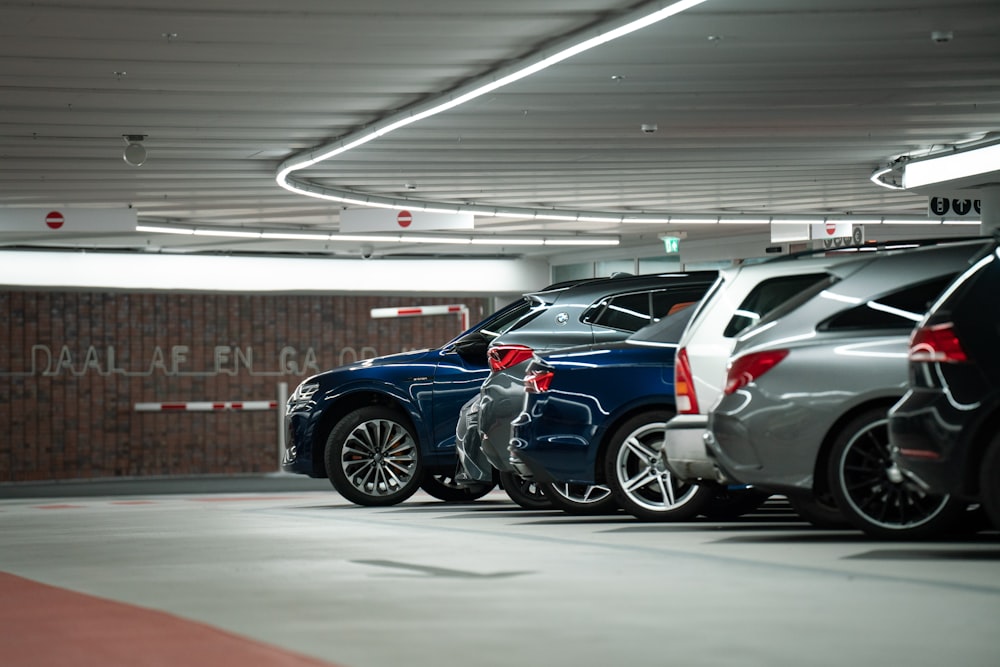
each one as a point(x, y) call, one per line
point(74, 364)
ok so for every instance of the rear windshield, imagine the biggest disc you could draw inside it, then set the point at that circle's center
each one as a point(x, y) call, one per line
point(767, 296)
point(900, 309)
point(667, 330)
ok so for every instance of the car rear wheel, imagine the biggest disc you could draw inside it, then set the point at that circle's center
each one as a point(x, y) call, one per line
point(989, 481)
point(873, 494)
point(525, 492)
point(372, 457)
point(636, 471)
point(581, 499)
point(444, 487)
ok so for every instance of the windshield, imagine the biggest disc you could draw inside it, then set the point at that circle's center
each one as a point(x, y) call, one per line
point(501, 320)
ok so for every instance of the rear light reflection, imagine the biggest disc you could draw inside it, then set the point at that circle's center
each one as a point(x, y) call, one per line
point(505, 356)
point(749, 367)
point(538, 381)
point(937, 343)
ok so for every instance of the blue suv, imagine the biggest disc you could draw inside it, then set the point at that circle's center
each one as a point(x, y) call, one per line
point(382, 428)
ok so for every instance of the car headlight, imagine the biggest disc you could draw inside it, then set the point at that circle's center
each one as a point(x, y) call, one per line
point(301, 398)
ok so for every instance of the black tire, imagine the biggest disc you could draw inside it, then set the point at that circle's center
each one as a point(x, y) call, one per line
point(444, 487)
point(641, 482)
point(874, 496)
point(989, 481)
point(525, 492)
point(372, 457)
point(581, 499)
point(728, 504)
point(820, 511)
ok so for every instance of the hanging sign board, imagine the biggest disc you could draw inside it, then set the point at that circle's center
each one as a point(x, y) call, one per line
point(955, 208)
point(390, 220)
point(65, 220)
point(837, 235)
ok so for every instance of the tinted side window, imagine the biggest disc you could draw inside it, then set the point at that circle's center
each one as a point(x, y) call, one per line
point(631, 312)
point(666, 302)
point(901, 309)
point(628, 312)
point(767, 296)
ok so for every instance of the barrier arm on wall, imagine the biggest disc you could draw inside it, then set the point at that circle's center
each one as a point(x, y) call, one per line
point(225, 406)
point(454, 309)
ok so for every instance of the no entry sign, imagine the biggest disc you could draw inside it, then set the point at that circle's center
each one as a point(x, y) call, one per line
point(63, 219)
point(54, 220)
point(353, 220)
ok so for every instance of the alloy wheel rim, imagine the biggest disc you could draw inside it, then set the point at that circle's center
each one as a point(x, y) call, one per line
point(379, 458)
point(875, 490)
point(643, 475)
point(582, 494)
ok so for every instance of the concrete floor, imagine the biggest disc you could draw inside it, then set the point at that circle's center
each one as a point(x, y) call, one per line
point(287, 562)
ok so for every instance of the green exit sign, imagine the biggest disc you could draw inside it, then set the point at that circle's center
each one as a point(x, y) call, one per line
point(671, 244)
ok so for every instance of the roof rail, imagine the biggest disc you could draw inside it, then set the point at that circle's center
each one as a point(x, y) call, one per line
point(878, 246)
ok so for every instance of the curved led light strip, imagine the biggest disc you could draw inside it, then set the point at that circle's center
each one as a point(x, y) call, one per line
point(636, 20)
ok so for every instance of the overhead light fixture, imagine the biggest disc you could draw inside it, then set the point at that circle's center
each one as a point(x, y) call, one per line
point(134, 153)
point(558, 52)
point(951, 166)
point(278, 235)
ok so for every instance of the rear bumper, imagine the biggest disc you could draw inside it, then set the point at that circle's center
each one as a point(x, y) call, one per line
point(684, 448)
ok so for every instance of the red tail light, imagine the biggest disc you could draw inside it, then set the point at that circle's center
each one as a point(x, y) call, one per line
point(538, 381)
point(749, 367)
point(937, 343)
point(505, 356)
point(684, 394)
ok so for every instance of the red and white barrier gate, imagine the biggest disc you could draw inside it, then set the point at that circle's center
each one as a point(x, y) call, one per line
point(205, 406)
point(412, 311)
point(229, 406)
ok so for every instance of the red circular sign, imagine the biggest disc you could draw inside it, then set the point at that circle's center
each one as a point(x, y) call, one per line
point(831, 227)
point(54, 220)
point(404, 218)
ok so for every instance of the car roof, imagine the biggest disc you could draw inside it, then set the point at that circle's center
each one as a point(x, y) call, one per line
point(618, 283)
point(859, 281)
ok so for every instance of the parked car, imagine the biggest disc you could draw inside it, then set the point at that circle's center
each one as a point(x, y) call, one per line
point(740, 297)
point(525, 492)
point(596, 312)
point(592, 422)
point(944, 433)
point(804, 408)
point(381, 428)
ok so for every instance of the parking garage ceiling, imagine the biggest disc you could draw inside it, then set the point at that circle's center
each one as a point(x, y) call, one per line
point(746, 108)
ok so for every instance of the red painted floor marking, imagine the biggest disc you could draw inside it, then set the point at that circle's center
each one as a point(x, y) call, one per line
point(46, 626)
point(58, 507)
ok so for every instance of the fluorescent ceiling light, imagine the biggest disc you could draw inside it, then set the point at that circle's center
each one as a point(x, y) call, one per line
point(377, 238)
point(951, 166)
point(291, 236)
point(153, 229)
point(235, 234)
point(560, 51)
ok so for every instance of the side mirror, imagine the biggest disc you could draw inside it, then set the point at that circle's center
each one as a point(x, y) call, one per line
point(472, 348)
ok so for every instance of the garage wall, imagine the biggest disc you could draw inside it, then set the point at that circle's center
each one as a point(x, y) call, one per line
point(74, 364)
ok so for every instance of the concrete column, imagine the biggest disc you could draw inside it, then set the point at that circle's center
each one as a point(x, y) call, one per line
point(989, 197)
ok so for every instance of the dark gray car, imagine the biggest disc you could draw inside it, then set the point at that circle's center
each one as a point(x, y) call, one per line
point(804, 408)
point(589, 312)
